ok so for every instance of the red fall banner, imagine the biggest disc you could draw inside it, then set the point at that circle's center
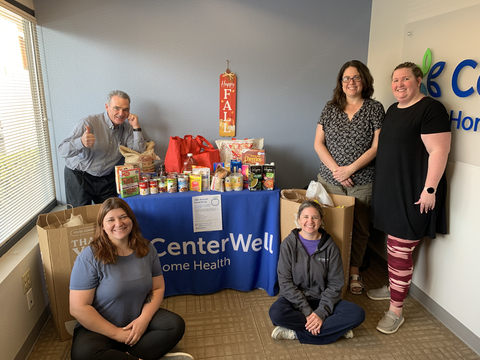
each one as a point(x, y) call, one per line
point(228, 95)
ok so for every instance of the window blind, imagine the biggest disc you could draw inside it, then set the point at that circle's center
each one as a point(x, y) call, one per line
point(26, 174)
point(24, 8)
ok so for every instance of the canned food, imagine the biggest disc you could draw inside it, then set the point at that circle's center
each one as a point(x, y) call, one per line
point(153, 184)
point(144, 190)
point(172, 183)
point(162, 184)
point(182, 182)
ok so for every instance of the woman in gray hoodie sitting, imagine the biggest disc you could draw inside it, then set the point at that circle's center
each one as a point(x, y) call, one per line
point(310, 276)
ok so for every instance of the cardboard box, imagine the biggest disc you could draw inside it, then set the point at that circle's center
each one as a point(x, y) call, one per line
point(338, 223)
point(60, 247)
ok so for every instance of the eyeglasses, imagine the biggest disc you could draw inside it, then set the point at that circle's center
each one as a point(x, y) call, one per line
point(356, 78)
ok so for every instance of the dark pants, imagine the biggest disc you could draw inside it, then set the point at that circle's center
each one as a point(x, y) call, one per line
point(82, 188)
point(346, 316)
point(164, 332)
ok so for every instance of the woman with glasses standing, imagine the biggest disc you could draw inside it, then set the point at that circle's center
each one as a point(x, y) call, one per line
point(346, 142)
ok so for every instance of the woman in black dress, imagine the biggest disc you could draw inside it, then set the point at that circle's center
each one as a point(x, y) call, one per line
point(409, 187)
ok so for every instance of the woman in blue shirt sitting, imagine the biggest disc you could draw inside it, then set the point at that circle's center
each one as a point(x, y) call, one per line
point(116, 289)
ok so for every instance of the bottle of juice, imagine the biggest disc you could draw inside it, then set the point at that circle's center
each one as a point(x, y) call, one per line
point(237, 182)
point(188, 163)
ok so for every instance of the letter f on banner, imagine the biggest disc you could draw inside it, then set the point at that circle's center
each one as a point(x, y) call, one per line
point(228, 91)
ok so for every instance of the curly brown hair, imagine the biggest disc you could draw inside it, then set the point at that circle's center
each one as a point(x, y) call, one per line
point(339, 99)
point(104, 249)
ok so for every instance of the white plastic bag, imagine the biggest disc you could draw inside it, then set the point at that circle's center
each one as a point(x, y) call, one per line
point(317, 191)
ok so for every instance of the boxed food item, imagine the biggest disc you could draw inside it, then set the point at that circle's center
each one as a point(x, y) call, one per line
point(129, 191)
point(205, 172)
point(245, 172)
point(195, 182)
point(253, 156)
point(128, 179)
point(255, 177)
point(117, 177)
point(268, 180)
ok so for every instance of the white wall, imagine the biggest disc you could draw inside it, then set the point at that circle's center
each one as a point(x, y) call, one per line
point(446, 268)
point(16, 320)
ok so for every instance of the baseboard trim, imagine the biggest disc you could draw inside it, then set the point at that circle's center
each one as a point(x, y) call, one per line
point(32, 338)
point(455, 326)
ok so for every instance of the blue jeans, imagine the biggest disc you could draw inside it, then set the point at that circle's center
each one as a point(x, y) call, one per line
point(346, 316)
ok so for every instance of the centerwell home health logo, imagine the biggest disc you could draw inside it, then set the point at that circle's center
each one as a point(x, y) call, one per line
point(433, 89)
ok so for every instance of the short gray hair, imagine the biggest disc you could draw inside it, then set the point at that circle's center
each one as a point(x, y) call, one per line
point(118, 93)
point(311, 203)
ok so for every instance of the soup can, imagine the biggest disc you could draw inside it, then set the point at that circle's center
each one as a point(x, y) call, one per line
point(153, 184)
point(144, 189)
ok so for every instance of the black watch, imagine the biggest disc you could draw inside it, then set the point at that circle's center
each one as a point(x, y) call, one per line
point(139, 129)
point(430, 190)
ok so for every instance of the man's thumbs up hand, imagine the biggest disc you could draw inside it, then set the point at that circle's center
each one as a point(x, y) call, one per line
point(88, 139)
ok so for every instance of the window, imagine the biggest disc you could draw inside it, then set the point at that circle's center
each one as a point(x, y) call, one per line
point(26, 175)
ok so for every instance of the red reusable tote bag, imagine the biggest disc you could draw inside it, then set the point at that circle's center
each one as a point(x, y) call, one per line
point(178, 148)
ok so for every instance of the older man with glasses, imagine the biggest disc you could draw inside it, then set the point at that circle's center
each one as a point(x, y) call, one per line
point(92, 151)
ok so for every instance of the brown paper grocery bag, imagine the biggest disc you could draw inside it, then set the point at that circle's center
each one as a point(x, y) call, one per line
point(60, 247)
point(338, 222)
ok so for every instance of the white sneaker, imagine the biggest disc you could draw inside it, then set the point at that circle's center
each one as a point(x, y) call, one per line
point(348, 334)
point(281, 333)
point(177, 356)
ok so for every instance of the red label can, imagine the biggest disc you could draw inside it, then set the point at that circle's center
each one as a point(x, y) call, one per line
point(153, 184)
point(144, 190)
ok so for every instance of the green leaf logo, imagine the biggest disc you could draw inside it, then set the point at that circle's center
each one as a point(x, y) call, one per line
point(427, 62)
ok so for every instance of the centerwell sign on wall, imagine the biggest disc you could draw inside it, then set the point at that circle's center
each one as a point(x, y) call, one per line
point(432, 88)
point(446, 49)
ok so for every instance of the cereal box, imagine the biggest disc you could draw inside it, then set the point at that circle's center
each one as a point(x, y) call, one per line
point(253, 156)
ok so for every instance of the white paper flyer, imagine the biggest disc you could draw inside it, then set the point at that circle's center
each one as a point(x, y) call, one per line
point(207, 213)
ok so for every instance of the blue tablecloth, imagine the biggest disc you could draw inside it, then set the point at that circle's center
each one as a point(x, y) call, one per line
point(242, 256)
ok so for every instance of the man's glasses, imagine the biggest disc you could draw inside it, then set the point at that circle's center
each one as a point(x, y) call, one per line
point(356, 78)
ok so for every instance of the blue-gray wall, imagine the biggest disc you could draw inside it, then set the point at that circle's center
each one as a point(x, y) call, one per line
point(168, 55)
